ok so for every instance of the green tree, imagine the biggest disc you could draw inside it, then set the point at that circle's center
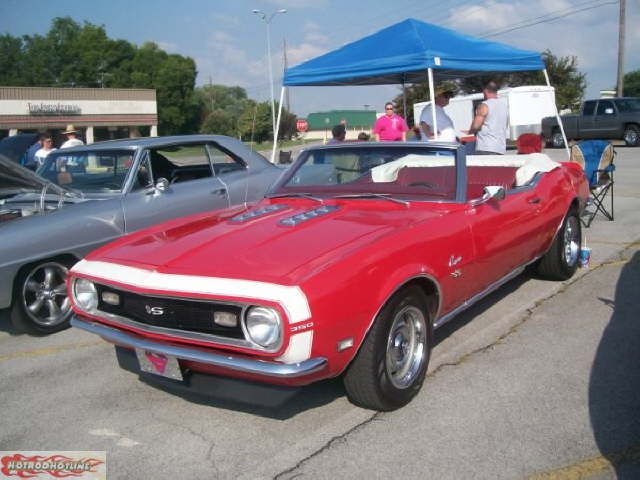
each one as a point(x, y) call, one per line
point(71, 54)
point(632, 84)
point(220, 122)
point(569, 83)
point(255, 122)
point(11, 60)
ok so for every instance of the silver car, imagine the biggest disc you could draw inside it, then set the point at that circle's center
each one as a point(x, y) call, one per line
point(86, 196)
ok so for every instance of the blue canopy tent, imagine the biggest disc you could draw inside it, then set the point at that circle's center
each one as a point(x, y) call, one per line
point(409, 52)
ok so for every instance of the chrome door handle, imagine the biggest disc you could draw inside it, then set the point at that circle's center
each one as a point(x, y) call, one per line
point(220, 191)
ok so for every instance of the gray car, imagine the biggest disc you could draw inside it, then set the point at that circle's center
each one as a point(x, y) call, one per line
point(86, 196)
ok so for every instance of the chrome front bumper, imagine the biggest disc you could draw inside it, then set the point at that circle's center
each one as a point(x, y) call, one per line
point(257, 367)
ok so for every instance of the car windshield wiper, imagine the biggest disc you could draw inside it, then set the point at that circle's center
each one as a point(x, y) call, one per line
point(386, 196)
point(296, 194)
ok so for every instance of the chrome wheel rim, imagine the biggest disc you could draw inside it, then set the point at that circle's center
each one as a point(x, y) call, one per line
point(630, 136)
point(571, 241)
point(406, 347)
point(44, 294)
point(558, 141)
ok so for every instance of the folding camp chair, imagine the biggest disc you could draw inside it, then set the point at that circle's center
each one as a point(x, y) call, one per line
point(596, 158)
point(529, 143)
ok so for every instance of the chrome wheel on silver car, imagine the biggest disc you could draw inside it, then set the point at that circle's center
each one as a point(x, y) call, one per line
point(406, 346)
point(41, 304)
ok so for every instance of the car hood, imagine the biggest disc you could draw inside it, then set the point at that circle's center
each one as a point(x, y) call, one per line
point(14, 178)
point(270, 247)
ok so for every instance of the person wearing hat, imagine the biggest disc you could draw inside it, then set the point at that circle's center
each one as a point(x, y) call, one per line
point(72, 137)
point(446, 130)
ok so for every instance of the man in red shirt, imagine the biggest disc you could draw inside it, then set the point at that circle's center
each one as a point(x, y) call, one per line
point(390, 127)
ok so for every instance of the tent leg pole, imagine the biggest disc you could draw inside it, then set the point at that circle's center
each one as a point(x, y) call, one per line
point(275, 134)
point(433, 105)
point(404, 99)
point(555, 107)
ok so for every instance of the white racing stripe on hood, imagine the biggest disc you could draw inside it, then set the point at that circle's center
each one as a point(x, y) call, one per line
point(292, 298)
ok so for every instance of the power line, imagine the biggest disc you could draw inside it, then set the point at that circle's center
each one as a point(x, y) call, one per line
point(550, 17)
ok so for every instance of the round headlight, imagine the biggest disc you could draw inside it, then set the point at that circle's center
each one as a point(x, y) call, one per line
point(263, 326)
point(85, 294)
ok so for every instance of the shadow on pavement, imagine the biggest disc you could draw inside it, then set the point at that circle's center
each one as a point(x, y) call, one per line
point(6, 325)
point(272, 401)
point(614, 386)
point(463, 318)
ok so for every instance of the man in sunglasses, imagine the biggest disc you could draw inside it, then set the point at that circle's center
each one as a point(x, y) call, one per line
point(390, 127)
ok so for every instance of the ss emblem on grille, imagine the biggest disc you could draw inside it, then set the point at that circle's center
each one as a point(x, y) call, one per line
point(154, 310)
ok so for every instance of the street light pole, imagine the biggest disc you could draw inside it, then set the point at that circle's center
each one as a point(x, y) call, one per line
point(267, 19)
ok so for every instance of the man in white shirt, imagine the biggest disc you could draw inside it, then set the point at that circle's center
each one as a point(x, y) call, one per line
point(72, 138)
point(446, 130)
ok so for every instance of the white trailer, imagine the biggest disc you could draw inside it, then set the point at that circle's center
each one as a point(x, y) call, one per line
point(528, 105)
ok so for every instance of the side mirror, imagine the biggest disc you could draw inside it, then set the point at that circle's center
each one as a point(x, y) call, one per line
point(608, 111)
point(162, 184)
point(490, 192)
point(496, 192)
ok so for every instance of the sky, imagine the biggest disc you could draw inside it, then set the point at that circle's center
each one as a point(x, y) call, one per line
point(229, 43)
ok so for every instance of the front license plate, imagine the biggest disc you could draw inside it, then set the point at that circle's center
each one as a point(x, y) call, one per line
point(159, 364)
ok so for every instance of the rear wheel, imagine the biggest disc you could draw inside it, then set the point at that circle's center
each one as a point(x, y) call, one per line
point(40, 302)
point(561, 261)
point(391, 365)
point(631, 135)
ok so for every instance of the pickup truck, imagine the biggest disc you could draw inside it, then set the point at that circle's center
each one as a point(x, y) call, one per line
point(615, 118)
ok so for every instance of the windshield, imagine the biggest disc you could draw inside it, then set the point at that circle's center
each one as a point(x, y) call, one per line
point(628, 105)
point(410, 172)
point(88, 172)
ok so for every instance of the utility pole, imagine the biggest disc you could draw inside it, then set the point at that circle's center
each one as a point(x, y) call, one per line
point(286, 65)
point(211, 93)
point(620, 84)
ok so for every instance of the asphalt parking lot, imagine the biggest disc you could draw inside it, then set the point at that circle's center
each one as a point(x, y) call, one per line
point(539, 380)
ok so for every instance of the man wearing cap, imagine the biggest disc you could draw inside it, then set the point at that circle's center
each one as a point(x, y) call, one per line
point(446, 130)
point(72, 138)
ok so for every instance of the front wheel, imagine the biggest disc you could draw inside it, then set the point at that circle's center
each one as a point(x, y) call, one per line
point(557, 140)
point(40, 302)
point(631, 136)
point(391, 365)
point(561, 261)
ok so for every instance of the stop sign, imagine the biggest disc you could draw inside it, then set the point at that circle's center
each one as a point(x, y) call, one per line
point(302, 125)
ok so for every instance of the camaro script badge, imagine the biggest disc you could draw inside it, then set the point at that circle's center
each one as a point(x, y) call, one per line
point(154, 310)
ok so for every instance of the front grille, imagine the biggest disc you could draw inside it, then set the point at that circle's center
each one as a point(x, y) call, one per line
point(174, 313)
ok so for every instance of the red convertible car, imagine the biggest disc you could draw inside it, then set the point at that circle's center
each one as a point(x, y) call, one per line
point(345, 268)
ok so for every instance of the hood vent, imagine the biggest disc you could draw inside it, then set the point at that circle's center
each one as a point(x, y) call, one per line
point(250, 215)
point(303, 217)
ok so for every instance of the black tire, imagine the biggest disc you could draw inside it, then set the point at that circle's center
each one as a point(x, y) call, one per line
point(631, 136)
point(561, 261)
point(371, 381)
point(40, 304)
point(556, 139)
